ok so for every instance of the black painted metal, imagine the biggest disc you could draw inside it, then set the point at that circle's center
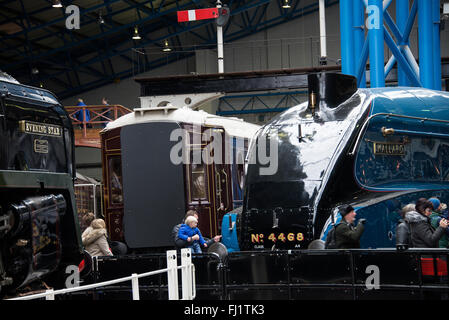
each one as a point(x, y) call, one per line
point(228, 82)
point(145, 204)
point(284, 275)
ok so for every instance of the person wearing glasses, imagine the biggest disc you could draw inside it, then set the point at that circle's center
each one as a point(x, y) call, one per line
point(423, 235)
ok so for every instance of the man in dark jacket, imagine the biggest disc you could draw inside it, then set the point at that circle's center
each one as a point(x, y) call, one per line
point(348, 236)
point(422, 233)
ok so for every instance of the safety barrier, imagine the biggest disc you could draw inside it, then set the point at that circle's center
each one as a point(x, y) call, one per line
point(88, 121)
point(98, 114)
point(187, 276)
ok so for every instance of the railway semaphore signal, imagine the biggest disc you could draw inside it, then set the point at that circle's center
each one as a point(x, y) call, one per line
point(221, 14)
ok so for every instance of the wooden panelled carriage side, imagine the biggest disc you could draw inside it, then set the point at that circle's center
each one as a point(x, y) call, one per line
point(146, 193)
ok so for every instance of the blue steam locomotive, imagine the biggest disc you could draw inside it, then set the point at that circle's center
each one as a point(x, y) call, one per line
point(376, 149)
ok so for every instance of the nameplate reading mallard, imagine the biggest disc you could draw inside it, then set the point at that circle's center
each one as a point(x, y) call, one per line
point(389, 149)
point(43, 129)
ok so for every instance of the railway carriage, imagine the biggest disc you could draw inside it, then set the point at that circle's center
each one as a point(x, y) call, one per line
point(160, 162)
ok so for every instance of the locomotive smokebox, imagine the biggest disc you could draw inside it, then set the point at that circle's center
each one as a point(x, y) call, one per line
point(330, 89)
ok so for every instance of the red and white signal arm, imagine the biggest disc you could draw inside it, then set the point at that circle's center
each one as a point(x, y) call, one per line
point(198, 14)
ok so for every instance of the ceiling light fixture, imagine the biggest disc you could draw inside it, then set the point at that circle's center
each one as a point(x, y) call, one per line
point(136, 35)
point(57, 4)
point(166, 47)
point(286, 4)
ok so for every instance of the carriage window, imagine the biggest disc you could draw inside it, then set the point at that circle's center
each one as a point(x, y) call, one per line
point(115, 180)
point(199, 177)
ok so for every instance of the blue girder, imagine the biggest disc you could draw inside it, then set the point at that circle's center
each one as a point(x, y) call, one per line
point(383, 30)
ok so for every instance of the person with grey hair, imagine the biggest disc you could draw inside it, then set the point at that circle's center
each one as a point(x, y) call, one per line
point(402, 229)
point(189, 232)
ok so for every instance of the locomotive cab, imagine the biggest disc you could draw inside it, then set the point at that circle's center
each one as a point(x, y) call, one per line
point(39, 230)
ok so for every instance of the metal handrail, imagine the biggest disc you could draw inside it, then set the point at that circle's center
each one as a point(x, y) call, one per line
point(188, 283)
point(101, 114)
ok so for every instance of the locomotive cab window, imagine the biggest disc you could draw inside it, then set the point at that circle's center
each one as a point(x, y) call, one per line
point(395, 156)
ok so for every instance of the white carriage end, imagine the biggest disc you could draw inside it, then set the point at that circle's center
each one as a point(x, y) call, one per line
point(167, 111)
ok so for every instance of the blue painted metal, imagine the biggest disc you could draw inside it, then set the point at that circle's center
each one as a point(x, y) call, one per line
point(436, 47)
point(402, 13)
point(347, 37)
point(361, 74)
point(393, 27)
point(412, 102)
point(411, 20)
point(229, 232)
point(412, 113)
point(359, 43)
point(402, 62)
point(376, 48)
point(425, 31)
point(409, 73)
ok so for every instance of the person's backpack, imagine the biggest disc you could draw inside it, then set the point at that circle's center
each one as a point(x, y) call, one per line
point(331, 239)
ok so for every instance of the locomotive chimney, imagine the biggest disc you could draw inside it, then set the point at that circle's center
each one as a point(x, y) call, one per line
point(329, 89)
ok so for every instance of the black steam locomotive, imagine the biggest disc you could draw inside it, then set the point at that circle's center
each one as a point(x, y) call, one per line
point(39, 229)
point(376, 149)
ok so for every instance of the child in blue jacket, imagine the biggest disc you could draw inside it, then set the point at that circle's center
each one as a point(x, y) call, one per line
point(190, 233)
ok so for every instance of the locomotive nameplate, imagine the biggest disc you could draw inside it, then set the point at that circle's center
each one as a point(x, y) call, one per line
point(40, 146)
point(389, 149)
point(43, 129)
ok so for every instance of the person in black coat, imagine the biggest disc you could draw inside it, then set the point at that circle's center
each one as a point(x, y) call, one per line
point(423, 235)
point(347, 235)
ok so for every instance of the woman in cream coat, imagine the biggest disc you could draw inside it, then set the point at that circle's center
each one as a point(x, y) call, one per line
point(94, 239)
